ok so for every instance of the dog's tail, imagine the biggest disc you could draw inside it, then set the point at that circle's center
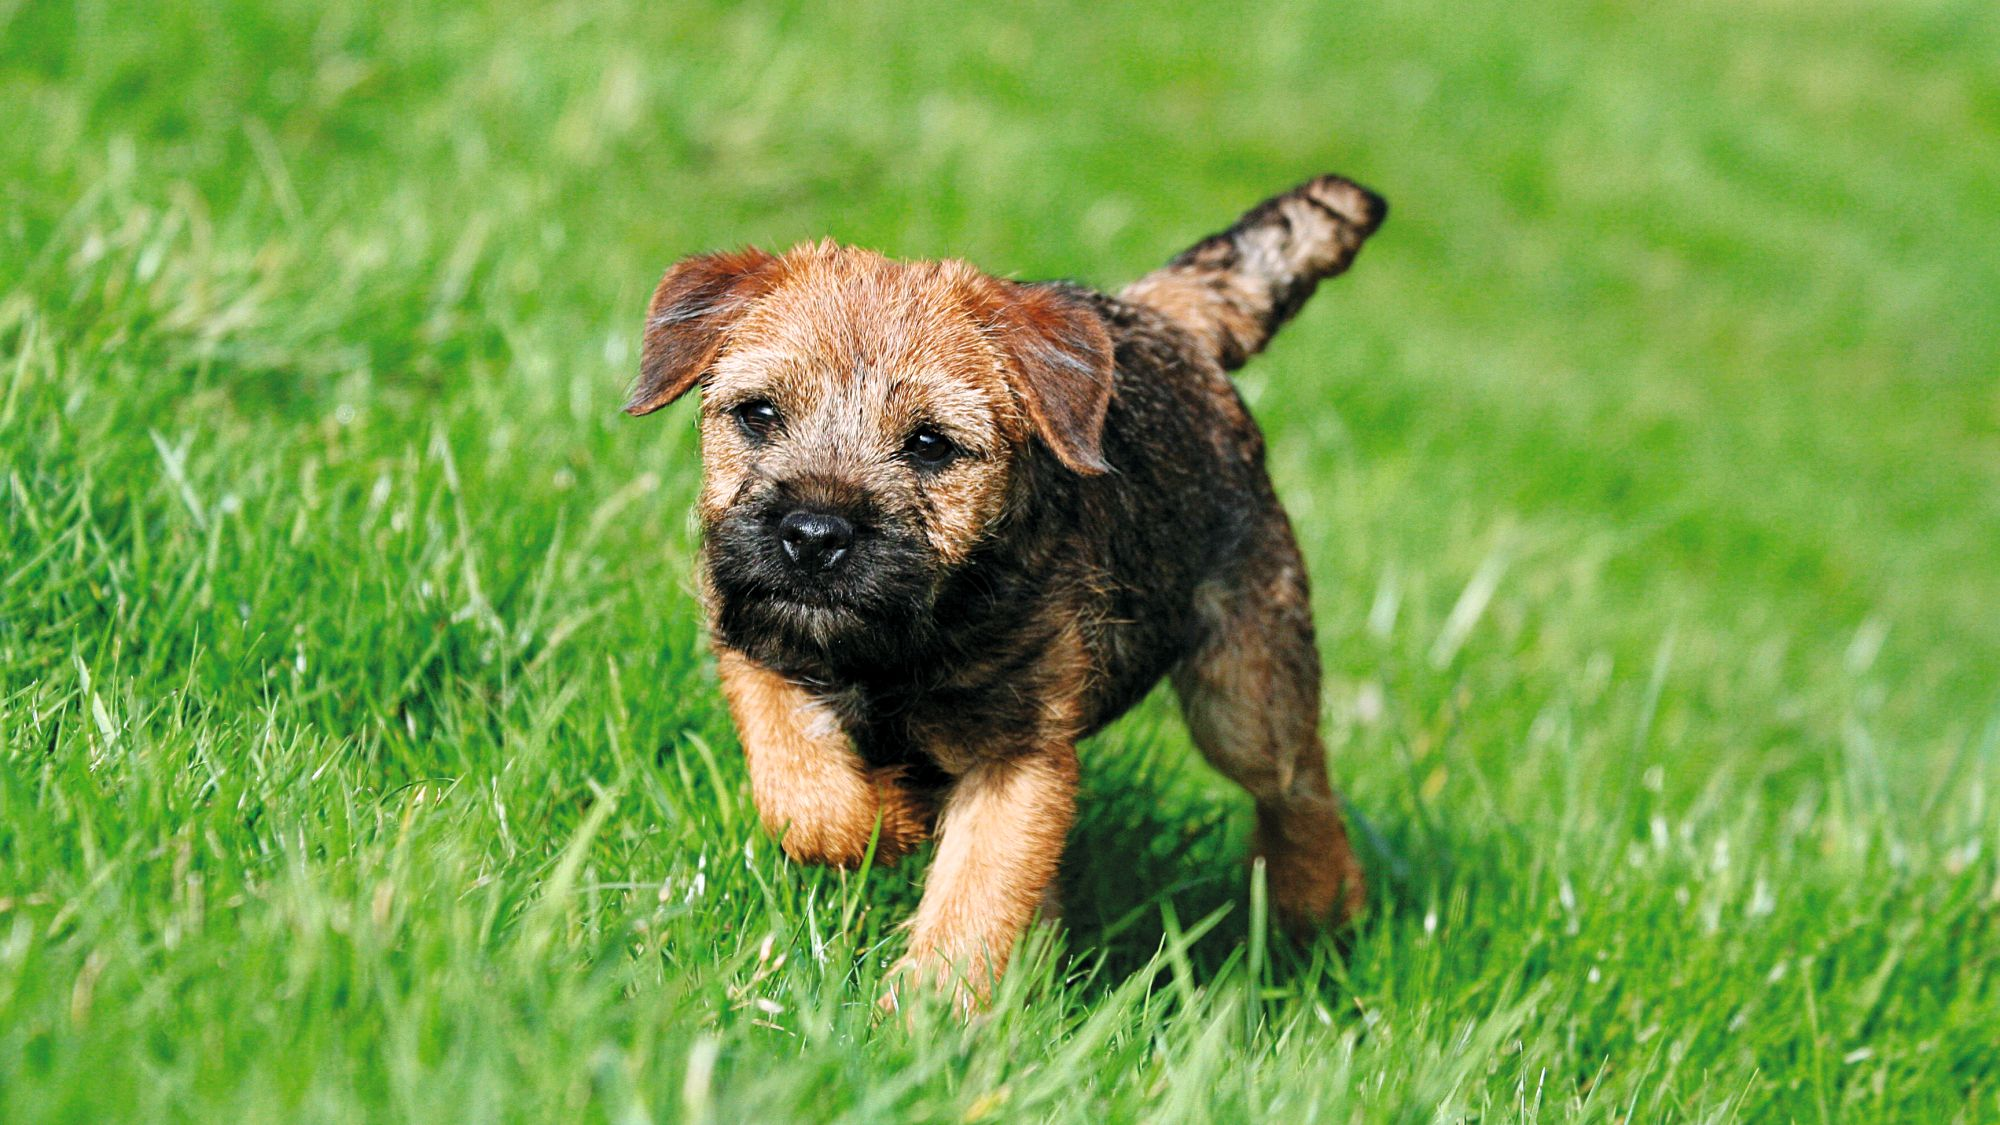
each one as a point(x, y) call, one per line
point(1233, 290)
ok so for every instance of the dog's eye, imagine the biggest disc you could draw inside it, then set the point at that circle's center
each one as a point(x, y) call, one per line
point(758, 418)
point(929, 448)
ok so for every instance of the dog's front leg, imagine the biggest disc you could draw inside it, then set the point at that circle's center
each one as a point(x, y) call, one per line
point(999, 842)
point(812, 790)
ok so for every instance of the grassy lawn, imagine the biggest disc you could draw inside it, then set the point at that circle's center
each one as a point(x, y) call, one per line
point(360, 758)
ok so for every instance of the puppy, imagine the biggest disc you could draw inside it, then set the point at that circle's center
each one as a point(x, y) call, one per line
point(953, 524)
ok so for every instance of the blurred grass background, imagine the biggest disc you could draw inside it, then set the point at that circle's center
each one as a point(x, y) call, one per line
point(359, 758)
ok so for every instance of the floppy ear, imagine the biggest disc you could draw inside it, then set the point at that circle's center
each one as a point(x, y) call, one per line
point(691, 311)
point(1061, 355)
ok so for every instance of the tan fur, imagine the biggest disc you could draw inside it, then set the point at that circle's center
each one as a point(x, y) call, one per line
point(1220, 290)
point(1001, 838)
point(1250, 696)
point(811, 790)
point(1102, 519)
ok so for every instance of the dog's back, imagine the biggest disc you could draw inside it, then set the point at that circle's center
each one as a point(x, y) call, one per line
point(1187, 502)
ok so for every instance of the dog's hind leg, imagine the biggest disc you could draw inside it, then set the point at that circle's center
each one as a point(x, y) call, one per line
point(1250, 694)
point(812, 790)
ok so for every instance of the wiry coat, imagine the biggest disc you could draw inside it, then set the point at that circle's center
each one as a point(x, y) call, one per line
point(1103, 519)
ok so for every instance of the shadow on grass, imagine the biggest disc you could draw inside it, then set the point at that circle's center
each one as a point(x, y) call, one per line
point(1154, 842)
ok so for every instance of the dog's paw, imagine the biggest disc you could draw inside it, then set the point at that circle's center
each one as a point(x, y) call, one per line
point(905, 818)
point(844, 850)
point(925, 978)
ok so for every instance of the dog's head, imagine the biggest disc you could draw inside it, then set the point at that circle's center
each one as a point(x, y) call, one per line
point(865, 428)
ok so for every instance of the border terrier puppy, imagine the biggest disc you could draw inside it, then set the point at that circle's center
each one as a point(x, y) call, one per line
point(953, 524)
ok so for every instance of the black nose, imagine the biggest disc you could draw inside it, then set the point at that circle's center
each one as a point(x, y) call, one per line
point(815, 541)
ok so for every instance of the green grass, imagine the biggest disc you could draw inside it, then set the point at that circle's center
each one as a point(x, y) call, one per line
point(360, 759)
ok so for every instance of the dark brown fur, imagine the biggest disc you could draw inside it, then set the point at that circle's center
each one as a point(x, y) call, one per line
point(1109, 522)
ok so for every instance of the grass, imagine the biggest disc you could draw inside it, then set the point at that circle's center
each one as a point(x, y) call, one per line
point(360, 760)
